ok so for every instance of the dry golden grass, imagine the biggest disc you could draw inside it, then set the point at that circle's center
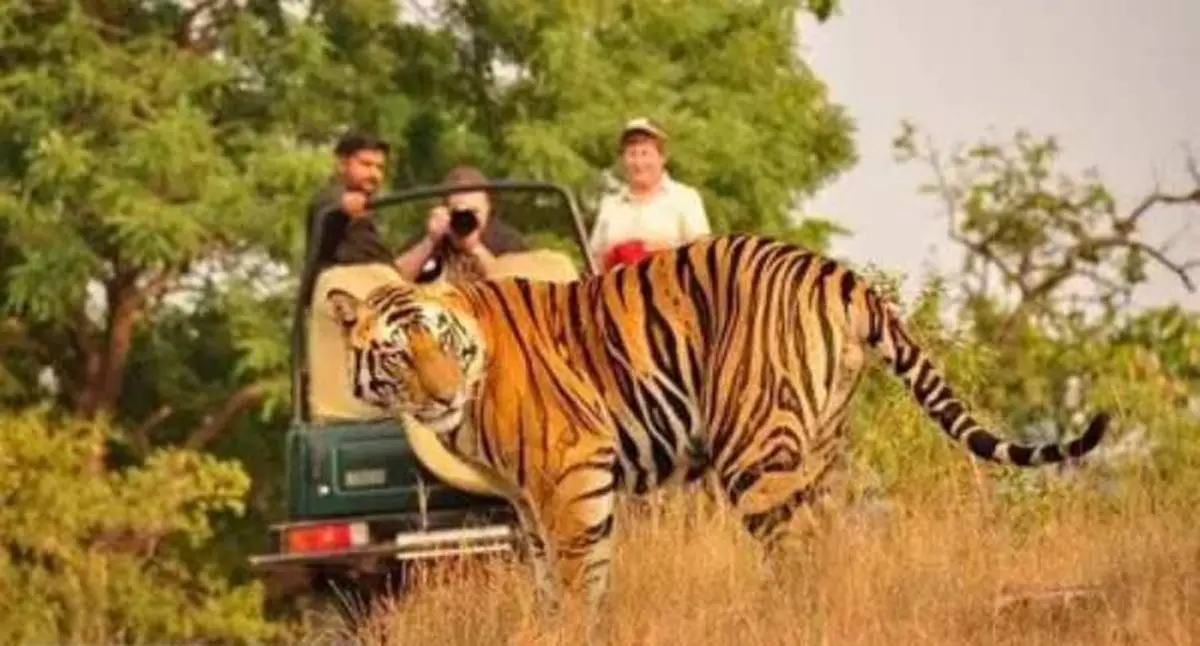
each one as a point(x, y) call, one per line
point(938, 572)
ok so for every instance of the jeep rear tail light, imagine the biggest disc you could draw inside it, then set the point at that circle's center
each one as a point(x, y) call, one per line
point(325, 537)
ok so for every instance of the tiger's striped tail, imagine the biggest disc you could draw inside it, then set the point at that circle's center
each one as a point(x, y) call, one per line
point(879, 327)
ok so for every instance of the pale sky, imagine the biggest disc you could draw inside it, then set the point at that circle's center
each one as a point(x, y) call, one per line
point(1115, 80)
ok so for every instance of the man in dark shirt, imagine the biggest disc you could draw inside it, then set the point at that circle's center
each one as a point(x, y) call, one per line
point(348, 234)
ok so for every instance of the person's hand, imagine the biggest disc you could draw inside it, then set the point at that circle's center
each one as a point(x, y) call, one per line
point(471, 242)
point(438, 224)
point(354, 203)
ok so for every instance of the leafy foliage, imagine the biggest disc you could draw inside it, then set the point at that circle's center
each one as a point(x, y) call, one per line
point(155, 161)
point(1041, 388)
point(110, 557)
point(1049, 266)
point(156, 158)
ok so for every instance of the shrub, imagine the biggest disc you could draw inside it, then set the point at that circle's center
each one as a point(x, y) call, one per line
point(111, 556)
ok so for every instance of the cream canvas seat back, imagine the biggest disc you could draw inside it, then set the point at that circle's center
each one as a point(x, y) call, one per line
point(329, 393)
point(537, 264)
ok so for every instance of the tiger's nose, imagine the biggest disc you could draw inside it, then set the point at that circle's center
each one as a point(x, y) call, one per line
point(442, 391)
point(440, 378)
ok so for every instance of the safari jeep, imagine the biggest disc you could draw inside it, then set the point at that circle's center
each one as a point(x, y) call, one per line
point(360, 507)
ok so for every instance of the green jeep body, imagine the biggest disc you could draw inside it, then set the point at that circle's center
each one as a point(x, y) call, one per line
point(365, 475)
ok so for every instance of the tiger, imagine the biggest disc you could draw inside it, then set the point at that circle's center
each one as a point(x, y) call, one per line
point(734, 355)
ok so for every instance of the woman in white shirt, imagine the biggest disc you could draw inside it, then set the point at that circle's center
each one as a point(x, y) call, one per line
point(652, 211)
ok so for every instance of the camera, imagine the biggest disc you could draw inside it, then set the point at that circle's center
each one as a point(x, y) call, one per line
point(463, 222)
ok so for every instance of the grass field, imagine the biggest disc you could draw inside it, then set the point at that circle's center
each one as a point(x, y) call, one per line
point(940, 571)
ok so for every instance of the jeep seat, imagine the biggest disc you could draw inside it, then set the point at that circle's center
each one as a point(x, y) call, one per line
point(330, 394)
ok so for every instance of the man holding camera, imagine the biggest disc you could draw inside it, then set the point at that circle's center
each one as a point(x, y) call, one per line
point(353, 257)
point(465, 221)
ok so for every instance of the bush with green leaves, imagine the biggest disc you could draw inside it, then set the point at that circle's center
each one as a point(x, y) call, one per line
point(114, 556)
point(1153, 443)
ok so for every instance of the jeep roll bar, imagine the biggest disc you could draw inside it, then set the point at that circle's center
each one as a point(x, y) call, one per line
point(301, 412)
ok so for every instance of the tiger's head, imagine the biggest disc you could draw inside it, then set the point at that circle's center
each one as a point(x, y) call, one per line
point(409, 354)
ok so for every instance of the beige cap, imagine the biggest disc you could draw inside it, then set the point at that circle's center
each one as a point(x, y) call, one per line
point(464, 175)
point(642, 125)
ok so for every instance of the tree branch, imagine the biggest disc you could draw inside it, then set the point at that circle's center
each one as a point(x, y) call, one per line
point(1179, 269)
point(83, 336)
point(1158, 198)
point(140, 434)
point(1034, 264)
point(105, 368)
point(215, 424)
point(983, 249)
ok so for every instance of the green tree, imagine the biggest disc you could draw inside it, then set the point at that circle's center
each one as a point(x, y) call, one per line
point(539, 89)
point(139, 163)
point(155, 159)
point(1049, 266)
point(1040, 245)
point(147, 199)
point(124, 186)
point(113, 558)
point(751, 125)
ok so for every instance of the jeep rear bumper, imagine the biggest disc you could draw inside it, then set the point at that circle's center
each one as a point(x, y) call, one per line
point(382, 545)
point(408, 546)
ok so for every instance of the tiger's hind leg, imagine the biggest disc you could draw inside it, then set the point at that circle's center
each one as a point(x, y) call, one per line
point(784, 493)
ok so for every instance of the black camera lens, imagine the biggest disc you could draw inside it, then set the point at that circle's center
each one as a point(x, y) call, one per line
point(463, 222)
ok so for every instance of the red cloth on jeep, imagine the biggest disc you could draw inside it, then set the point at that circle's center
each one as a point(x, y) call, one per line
point(625, 253)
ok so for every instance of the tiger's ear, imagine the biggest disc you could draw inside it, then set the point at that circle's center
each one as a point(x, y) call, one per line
point(345, 306)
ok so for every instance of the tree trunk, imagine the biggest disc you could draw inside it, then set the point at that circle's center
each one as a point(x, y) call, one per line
point(104, 370)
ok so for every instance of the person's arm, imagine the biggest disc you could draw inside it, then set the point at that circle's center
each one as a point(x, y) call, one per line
point(598, 241)
point(694, 219)
point(324, 204)
point(486, 259)
point(324, 226)
point(410, 261)
point(423, 245)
